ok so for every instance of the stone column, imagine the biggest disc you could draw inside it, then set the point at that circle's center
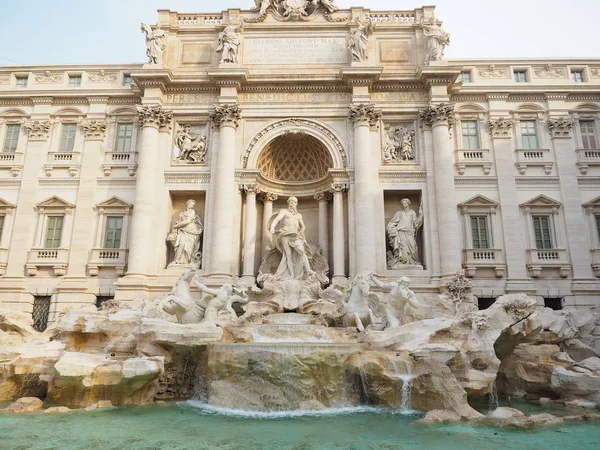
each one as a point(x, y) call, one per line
point(250, 233)
point(440, 118)
point(323, 199)
point(225, 118)
point(364, 116)
point(268, 199)
point(339, 255)
point(151, 119)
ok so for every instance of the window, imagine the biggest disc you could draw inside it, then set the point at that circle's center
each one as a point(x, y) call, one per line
point(1, 226)
point(41, 312)
point(588, 134)
point(112, 235)
point(22, 82)
point(542, 231)
point(67, 137)
point(479, 232)
point(553, 303)
point(75, 80)
point(101, 299)
point(54, 228)
point(485, 302)
point(597, 217)
point(520, 76)
point(123, 139)
point(127, 80)
point(465, 77)
point(470, 135)
point(529, 134)
point(11, 139)
point(577, 76)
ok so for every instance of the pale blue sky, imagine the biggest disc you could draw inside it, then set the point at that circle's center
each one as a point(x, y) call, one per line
point(108, 31)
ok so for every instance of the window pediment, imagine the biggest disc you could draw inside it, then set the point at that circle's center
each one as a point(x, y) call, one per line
point(6, 207)
point(55, 204)
point(479, 203)
point(114, 204)
point(593, 206)
point(541, 203)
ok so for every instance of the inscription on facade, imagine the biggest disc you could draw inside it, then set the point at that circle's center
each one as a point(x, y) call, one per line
point(207, 99)
point(301, 50)
point(296, 97)
point(399, 97)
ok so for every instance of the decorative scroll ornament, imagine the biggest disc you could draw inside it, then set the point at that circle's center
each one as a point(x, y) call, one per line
point(501, 128)
point(434, 115)
point(48, 77)
point(226, 115)
point(293, 9)
point(103, 77)
point(549, 72)
point(38, 130)
point(398, 144)
point(364, 114)
point(561, 127)
point(492, 72)
point(189, 147)
point(154, 116)
point(94, 129)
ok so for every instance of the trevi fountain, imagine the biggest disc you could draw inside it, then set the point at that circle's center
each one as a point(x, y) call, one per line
point(294, 354)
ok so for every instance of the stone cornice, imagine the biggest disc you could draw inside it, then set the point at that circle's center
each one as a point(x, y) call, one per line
point(364, 114)
point(360, 76)
point(233, 77)
point(226, 115)
point(438, 115)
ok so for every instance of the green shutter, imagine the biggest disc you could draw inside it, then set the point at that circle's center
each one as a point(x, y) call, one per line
point(54, 231)
point(1, 226)
point(598, 225)
point(11, 139)
point(123, 139)
point(541, 228)
point(479, 232)
point(114, 227)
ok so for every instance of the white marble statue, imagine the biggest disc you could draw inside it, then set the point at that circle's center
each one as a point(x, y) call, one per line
point(287, 228)
point(402, 230)
point(228, 42)
point(438, 39)
point(398, 144)
point(325, 4)
point(263, 5)
point(358, 40)
point(186, 236)
point(360, 307)
point(218, 302)
point(400, 297)
point(155, 44)
point(191, 148)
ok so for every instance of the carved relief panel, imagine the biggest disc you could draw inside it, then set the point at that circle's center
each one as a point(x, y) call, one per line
point(190, 144)
point(398, 143)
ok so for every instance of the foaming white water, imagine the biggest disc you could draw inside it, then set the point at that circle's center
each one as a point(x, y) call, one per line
point(406, 391)
point(247, 414)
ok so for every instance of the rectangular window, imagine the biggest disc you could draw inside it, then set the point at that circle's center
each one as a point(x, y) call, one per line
point(543, 233)
point(53, 231)
point(75, 80)
point(127, 79)
point(588, 134)
point(123, 139)
point(597, 225)
point(41, 312)
point(67, 137)
point(520, 76)
point(577, 76)
point(112, 235)
point(22, 82)
point(529, 134)
point(465, 77)
point(11, 139)
point(1, 226)
point(553, 303)
point(470, 135)
point(479, 232)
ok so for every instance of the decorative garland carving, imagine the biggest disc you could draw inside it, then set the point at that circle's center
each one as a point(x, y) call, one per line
point(492, 72)
point(561, 127)
point(435, 115)
point(49, 77)
point(226, 115)
point(303, 10)
point(103, 77)
point(364, 114)
point(94, 129)
point(549, 72)
point(501, 128)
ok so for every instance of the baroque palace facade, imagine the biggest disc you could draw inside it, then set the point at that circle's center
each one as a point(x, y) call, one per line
point(349, 111)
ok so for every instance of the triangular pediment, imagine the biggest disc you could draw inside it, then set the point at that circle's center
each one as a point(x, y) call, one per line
point(54, 202)
point(541, 200)
point(4, 205)
point(478, 200)
point(114, 202)
point(592, 203)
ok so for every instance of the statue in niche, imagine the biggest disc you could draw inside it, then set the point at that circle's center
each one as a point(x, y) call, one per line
point(437, 40)
point(190, 147)
point(401, 296)
point(185, 236)
point(402, 230)
point(228, 42)
point(155, 44)
point(398, 144)
point(358, 40)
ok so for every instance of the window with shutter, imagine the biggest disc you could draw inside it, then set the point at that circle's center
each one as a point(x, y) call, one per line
point(114, 228)
point(53, 231)
point(588, 134)
point(470, 135)
point(529, 134)
point(479, 232)
point(11, 138)
point(67, 137)
point(543, 233)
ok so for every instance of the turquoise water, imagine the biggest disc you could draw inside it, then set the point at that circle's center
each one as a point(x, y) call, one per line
point(193, 426)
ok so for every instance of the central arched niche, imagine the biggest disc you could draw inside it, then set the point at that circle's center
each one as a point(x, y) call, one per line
point(294, 158)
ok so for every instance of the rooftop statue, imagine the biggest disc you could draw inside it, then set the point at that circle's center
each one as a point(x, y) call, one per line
point(228, 42)
point(155, 44)
point(437, 40)
point(292, 9)
point(358, 40)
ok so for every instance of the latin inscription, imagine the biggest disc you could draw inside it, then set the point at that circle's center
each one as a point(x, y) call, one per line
point(296, 97)
point(207, 99)
point(302, 50)
point(399, 97)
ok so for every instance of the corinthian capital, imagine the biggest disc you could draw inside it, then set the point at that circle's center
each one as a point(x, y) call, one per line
point(226, 115)
point(154, 116)
point(38, 130)
point(364, 114)
point(94, 129)
point(435, 115)
point(561, 127)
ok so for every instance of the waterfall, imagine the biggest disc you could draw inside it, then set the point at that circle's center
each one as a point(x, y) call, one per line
point(406, 392)
point(493, 396)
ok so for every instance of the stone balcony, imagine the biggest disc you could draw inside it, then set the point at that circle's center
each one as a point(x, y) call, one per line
point(555, 258)
point(491, 258)
point(473, 158)
point(57, 258)
point(534, 157)
point(3, 260)
point(108, 257)
point(12, 161)
point(63, 160)
point(587, 157)
point(595, 253)
point(125, 160)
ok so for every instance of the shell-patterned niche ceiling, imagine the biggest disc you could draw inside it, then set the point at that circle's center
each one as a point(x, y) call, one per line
point(294, 157)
